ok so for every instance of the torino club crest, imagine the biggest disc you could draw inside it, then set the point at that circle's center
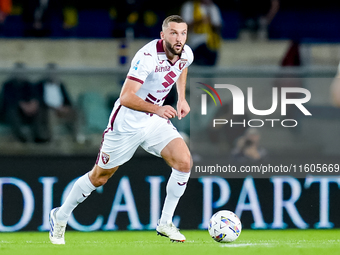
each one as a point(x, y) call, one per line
point(105, 158)
point(182, 63)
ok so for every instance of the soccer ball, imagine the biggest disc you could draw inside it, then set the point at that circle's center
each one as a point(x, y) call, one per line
point(225, 226)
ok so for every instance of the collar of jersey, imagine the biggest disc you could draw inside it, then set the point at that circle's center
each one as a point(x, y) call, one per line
point(161, 53)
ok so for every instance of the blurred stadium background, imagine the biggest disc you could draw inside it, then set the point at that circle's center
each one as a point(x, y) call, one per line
point(302, 40)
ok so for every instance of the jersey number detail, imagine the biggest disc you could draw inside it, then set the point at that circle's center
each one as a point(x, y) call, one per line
point(168, 77)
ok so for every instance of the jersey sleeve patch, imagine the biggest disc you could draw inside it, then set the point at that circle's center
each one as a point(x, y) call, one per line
point(141, 67)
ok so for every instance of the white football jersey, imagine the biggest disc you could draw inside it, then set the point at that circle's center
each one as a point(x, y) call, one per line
point(151, 67)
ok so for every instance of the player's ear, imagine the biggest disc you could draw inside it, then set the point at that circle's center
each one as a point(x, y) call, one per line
point(162, 35)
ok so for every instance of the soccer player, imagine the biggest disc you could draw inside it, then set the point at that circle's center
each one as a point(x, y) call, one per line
point(139, 118)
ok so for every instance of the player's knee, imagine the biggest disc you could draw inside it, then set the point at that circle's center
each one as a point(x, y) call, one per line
point(99, 176)
point(101, 180)
point(183, 164)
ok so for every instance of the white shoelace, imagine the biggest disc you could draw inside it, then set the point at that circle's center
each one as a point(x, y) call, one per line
point(173, 228)
point(59, 230)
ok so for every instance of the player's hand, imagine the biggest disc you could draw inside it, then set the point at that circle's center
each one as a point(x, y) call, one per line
point(166, 112)
point(183, 108)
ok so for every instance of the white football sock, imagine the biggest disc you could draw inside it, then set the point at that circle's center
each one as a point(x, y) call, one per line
point(81, 189)
point(175, 188)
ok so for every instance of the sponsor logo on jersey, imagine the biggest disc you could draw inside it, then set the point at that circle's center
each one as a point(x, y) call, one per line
point(181, 184)
point(163, 90)
point(162, 69)
point(105, 158)
point(135, 67)
point(147, 54)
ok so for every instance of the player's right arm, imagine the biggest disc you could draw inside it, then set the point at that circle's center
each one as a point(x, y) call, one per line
point(129, 99)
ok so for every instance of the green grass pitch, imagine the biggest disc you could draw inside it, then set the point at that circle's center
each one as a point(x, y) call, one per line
point(250, 242)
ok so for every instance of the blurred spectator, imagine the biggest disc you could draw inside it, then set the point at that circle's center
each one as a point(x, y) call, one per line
point(126, 18)
point(21, 108)
point(56, 100)
point(5, 10)
point(248, 147)
point(70, 18)
point(37, 16)
point(226, 135)
point(126, 14)
point(257, 15)
point(205, 22)
point(292, 56)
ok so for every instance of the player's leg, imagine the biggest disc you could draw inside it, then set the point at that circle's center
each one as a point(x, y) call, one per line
point(115, 151)
point(81, 189)
point(162, 139)
point(177, 155)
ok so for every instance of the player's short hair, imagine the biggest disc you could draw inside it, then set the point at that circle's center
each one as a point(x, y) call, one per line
point(172, 18)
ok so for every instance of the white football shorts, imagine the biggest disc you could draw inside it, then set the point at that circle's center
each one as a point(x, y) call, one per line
point(119, 147)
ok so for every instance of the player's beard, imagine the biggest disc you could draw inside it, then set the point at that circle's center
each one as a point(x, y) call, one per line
point(172, 48)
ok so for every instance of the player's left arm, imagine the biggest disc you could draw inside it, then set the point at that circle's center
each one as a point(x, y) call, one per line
point(183, 107)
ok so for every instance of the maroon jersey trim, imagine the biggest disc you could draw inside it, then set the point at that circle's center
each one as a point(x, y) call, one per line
point(107, 130)
point(135, 79)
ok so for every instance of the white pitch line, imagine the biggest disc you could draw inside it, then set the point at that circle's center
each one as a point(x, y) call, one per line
point(246, 244)
point(293, 244)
